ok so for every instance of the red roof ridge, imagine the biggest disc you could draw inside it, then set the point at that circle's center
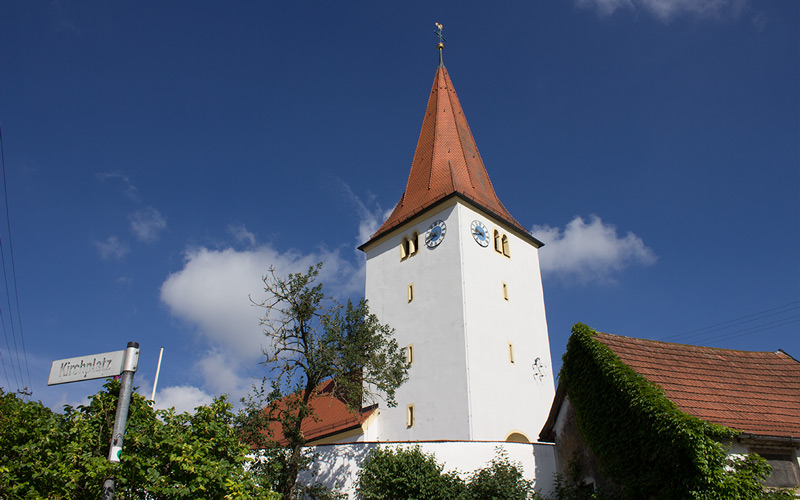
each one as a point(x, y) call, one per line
point(694, 346)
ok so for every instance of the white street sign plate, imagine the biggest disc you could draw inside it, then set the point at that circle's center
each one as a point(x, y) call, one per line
point(107, 364)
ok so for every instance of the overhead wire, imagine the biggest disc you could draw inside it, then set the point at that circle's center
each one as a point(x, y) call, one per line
point(702, 334)
point(754, 329)
point(11, 316)
point(13, 275)
point(8, 350)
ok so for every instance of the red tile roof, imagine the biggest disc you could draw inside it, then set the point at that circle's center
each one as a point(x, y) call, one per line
point(754, 392)
point(331, 416)
point(446, 162)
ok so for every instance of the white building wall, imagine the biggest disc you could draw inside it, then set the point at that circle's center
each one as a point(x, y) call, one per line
point(505, 396)
point(336, 466)
point(462, 383)
point(433, 322)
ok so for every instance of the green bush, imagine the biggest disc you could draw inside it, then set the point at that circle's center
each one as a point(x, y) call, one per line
point(44, 454)
point(409, 473)
point(406, 473)
point(500, 480)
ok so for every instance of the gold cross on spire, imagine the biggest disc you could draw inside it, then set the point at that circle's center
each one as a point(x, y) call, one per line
point(438, 33)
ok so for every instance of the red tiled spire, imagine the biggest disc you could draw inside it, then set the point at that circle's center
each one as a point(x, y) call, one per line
point(446, 162)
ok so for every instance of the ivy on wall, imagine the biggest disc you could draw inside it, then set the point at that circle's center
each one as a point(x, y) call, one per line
point(642, 441)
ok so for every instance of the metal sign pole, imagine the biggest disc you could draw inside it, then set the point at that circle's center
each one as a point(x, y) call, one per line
point(129, 366)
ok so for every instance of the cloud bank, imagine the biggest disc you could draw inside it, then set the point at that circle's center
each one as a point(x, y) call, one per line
point(212, 292)
point(589, 251)
point(666, 10)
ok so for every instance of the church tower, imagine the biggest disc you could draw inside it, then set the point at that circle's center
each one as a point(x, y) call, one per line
point(458, 279)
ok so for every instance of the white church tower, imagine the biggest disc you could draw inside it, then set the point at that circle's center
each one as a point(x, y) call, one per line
point(458, 279)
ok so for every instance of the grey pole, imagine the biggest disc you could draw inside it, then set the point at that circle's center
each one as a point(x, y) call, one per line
point(129, 365)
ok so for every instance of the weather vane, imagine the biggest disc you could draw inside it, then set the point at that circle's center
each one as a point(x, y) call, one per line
point(438, 33)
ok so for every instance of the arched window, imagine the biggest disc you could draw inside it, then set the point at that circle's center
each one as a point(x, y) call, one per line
point(517, 437)
point(497, 244)
point(413, 244)
point(506, 250)
point(409, 246)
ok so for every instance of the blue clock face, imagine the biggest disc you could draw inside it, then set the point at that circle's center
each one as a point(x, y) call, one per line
point(435, 234)
point(480, 233)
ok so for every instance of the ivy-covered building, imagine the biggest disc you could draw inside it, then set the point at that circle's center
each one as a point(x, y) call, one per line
point(643, 415)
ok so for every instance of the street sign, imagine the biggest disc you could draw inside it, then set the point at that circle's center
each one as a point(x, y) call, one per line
point(107, 364)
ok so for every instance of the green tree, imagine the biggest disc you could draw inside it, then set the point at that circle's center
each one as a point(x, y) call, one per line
point(314, 338)
point(44, 454)
point(388, 474)
point(500, 480)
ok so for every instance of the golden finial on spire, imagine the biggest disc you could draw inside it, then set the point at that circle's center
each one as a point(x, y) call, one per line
point(438, 33)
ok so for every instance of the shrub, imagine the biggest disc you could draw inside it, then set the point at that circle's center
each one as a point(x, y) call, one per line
point(500, 480)
point(408, 474)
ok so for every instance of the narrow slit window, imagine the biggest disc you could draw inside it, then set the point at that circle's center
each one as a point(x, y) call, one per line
point(505, 291)
point(410, 354)
point(413, 244)
point(506, 250)
point(511, 353)
point(410, 416)
point(411, 292)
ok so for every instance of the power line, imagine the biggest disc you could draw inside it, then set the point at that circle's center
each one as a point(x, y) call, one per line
point(13, 270)
point(754, 329)
point(8, 347)
point(3, 362)
point(737, 322)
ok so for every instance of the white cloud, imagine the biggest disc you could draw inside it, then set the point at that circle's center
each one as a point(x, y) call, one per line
point(147, 223)
point(590, 251)
point(666, 10)
point(220, 375)
point(212, 291)
point(112, 248)
point(370, 218)
point(183, 398)
point(241, 234)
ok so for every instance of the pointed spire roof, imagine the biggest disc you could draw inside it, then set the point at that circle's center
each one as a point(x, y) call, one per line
point(446, 164)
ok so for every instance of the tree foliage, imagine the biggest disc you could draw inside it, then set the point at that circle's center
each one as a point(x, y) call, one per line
point(643, 442)
point(313, 338)
point(500, 480)
point(44, 454)
point(387, 474)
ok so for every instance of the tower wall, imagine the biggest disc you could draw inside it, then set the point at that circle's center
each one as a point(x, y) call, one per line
point(433, 323)
point(506, 332)
point(465, 330)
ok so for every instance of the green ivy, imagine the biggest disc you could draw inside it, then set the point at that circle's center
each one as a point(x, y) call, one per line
point(642, 441)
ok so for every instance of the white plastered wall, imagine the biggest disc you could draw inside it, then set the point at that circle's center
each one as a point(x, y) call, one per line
point(462, 383)
point(337, 466)
point(433, 322)
point(506, 397)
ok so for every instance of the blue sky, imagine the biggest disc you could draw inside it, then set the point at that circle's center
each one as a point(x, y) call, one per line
point(159, 157)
